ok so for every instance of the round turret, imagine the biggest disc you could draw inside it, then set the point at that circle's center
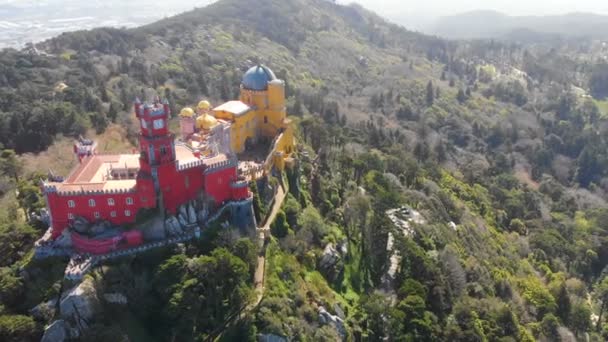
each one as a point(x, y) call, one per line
point(206, 122)
point(257, 78)
point(203, 105)
point(186, 112)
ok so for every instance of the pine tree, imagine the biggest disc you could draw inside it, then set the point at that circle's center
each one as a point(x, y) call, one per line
point(104, 92)
point(430, 94)
point(112, 112)
point(225, 87)
point(124, 97)
point(202, 84)
point(297, 107)
point(440, 152)
point(563, 304)
point(461, 97)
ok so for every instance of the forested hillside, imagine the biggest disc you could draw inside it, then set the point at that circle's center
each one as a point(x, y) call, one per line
point(495, 153)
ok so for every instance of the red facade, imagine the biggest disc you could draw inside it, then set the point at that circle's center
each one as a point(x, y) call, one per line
point(161, 180)
point(179, 187)
point(117, 208)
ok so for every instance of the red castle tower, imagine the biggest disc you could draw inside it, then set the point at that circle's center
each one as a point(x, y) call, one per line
point(165, 175)
point(156, 143)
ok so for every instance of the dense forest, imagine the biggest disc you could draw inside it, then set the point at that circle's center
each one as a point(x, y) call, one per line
point(500, 148)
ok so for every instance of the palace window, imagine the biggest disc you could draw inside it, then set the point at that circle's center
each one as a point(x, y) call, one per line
point(129, 201)
point(97, 215)
point(113, 214)
point(91, 203)
point(265, 119)
point(71, 204)
point(159, 123)
point(70, 216)
point(163, 150)
point(110, 201)
point(144, 124)
point(127, 213)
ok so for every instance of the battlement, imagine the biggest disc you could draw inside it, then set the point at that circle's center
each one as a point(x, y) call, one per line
point(190, 165)
point(47, 188)
point(157, 108)
point(220, 165)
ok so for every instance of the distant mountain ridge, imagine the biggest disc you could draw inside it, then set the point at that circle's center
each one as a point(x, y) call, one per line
point(492, 24)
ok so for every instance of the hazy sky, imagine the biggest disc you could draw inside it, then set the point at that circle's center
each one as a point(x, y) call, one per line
point(513, 7)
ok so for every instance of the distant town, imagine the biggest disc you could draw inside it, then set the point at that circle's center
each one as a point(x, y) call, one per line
point(29, 21)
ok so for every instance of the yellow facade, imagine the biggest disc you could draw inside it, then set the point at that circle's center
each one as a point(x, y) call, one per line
point(269, 106)
point(243, 129)
point(260, 113)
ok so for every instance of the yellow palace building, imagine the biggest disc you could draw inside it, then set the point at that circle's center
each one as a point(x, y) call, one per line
point(260, 113)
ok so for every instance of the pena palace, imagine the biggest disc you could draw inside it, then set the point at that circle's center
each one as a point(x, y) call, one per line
point(183, 180)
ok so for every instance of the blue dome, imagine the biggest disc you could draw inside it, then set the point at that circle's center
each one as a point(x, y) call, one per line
point(257, 78)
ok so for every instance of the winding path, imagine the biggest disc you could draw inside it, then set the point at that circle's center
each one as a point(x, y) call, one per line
point(263, 232)
point(260, 271)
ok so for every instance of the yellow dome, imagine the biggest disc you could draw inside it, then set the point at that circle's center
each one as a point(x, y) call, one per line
point(204, 105)
point(187, 112)
point(206, 122)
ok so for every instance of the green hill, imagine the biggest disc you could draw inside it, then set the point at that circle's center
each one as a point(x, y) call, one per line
point(500, 148)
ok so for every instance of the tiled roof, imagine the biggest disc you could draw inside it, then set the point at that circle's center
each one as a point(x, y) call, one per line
point(233, 107)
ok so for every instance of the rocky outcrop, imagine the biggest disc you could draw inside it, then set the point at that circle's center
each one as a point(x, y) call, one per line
point(81, 225)
point(100, 227)
point(80, 303)
point(64, 240)
point(182, 215)
point(154, 229)
point(338, 310)
point(44, 311)
point(58, 331)
point(191, 214)
point(271, 338)
point(331, 264)
point(325, 318)
point(565, 335)
point(173, 227)
point(183, 220)
point(202, 215)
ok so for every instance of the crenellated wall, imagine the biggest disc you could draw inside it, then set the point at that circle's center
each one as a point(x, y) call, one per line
point(240, 190)
point(118, 206)
point(180, 186)
point(218, 182)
